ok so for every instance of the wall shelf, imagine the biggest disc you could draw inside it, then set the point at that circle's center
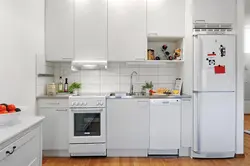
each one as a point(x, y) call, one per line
point(154, 62)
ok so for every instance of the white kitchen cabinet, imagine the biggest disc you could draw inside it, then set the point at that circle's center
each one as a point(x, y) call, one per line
point(186, 122)
point(214, 11)
point(128, 124)
point(24, 151)
point(91, 23)
point(166, 18)
point(59, 30)
point(55, 126)
point(127, 36)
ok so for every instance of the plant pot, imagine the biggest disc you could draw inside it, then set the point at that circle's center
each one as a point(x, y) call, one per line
point(76, 92)
point(147, 92)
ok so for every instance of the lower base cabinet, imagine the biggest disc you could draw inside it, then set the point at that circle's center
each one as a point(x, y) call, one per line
point(26, 151)
point(127, 127)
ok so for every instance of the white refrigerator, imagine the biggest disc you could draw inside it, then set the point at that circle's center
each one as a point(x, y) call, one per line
point(214, 122)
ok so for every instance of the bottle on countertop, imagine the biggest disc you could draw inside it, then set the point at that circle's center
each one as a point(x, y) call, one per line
point(66, 85)
point(60, 85)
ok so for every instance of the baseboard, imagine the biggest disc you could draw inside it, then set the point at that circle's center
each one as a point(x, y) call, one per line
point(184, 152)
point(240, 155)
point(56, 153)
point(127, 153)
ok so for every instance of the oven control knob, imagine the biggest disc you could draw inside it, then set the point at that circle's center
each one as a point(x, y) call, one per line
point(101, 103)
point(80, 103)
point(98, 103)
point(73, 103)
point(85, 103)
point(77, 103)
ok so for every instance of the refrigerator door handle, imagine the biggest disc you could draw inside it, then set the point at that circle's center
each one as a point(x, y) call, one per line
point(196, 126)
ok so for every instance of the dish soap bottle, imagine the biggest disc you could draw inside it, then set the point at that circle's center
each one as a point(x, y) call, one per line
point(60, 85)
point(66, 85)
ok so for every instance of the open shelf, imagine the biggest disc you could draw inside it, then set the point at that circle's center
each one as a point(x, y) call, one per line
point(155, 45)
point(154, 62)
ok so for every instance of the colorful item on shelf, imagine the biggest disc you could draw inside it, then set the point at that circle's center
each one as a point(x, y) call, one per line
point(151, 55)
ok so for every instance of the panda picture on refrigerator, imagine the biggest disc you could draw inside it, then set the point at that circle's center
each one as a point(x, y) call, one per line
point(214, 87)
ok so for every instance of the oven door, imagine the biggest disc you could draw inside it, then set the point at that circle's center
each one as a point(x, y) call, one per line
point(87, 125)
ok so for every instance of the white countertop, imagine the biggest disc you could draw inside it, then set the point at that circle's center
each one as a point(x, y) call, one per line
point(24, 122)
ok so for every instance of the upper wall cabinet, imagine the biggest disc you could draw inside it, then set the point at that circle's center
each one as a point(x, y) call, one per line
point(59, 30)
point(127, 36)
point(91, 29)
point(214, 11)
point(166, 18)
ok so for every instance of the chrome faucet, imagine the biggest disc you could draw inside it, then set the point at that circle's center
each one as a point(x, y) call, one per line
point(131, 84)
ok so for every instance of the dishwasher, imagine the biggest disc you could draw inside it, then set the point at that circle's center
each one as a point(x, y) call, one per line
point(165, 127)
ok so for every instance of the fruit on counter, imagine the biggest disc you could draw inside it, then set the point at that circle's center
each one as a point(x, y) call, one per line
point(162, 90)
point(3, 109)
point(6, 105)
point(151, 91)
point(175, 92)
point(18, 110)
point(11, 108)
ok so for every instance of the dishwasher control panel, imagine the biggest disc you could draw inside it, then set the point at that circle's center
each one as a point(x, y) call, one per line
point(165, 101)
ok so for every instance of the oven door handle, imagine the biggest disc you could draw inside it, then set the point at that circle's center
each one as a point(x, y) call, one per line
point(87, 109)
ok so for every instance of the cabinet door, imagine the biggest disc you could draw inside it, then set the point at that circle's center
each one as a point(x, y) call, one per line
point(25, 155)
point(215, 11)
point(55, 128)
point(127, 39)
point(166, 18)
point(91, 29)
point(59, 30)
point(186, 122)
point(127, 124)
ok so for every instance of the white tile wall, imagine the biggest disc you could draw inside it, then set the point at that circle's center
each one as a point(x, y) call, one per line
point(117, 77)
point(43, 67)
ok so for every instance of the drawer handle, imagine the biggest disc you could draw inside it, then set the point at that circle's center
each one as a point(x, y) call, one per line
point(13, 149)
point(54, 103)
point(62, 110)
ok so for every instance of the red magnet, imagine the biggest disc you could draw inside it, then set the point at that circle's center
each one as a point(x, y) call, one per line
point(219, 69)
point(213, 54)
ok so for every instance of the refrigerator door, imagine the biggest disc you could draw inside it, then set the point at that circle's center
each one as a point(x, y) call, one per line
point(214, 125)
point(214, 63)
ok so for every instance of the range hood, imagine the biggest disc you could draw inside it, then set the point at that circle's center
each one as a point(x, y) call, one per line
point(88, 65)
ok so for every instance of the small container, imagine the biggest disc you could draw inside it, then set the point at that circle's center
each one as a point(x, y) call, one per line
point(51, 89)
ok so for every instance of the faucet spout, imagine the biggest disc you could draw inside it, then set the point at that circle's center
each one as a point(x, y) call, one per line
point(131, 92)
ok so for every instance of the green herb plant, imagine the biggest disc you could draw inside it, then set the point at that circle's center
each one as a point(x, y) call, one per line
point(147, 85)
point(74, 86)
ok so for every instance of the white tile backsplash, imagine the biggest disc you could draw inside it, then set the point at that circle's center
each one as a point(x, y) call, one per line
point(117, 77)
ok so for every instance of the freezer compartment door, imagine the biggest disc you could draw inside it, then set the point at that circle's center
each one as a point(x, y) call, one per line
point(214, 63)
point(214, 122)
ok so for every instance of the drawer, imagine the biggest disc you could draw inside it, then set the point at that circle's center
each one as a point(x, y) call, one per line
point(13, 147)
point(53, 103)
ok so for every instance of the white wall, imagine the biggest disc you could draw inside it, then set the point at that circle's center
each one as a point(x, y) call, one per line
point(117, 77)
point(22, 37)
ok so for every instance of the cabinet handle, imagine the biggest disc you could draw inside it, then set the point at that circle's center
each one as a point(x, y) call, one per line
point(153, 34)
point(67, 58)
point(139, 59)
point(9, 153)
point(57, 103)
point(62, 110)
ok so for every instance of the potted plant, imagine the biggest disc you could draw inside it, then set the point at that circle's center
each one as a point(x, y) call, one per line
point(74, 88)
point(147, 87)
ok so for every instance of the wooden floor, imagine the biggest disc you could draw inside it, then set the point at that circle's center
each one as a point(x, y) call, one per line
point(154, 161)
